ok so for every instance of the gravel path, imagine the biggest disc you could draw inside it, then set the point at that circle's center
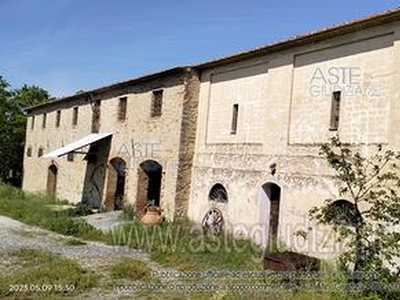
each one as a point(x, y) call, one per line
point(95, 256)
point(16, 235)
point(104, 221)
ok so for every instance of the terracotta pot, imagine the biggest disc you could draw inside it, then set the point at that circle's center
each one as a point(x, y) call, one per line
point(151, 218)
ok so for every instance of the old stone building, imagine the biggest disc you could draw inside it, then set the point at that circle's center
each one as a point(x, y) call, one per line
point(124, 143)
point(237, 142)
point(263, 115)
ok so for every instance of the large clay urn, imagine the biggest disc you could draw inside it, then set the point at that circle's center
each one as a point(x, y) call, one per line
point(152, 218)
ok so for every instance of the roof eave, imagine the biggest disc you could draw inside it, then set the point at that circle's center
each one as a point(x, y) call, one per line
point(107, 88)
point(340, 29)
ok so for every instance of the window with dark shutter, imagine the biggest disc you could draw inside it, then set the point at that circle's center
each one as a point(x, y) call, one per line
point(335, 110)
point(70, 156)
point(44, 120)
point(157, 103)
point(122, 108)
point(58, 118)
point(96, 114)
point(75, 116)
point(235, 114)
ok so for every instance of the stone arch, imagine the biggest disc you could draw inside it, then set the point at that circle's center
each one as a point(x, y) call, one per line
point(218, 193)
point(343, 212)
point(52, 174)
point(115, 192)
point(148, 185)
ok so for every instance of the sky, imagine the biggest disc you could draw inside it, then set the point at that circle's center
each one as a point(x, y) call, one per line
point(65, 46)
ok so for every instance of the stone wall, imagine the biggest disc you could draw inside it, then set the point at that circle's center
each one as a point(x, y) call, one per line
point(138, 138)
point(281, 124)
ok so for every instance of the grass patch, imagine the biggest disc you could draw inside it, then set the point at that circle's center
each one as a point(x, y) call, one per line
point(38, 210)
point(182, 245)
point(129, 268)
point(44, 274)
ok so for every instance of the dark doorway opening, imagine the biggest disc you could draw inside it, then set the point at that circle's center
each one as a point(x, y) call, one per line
point(52, 180)
point(273, 193)
point(94, 185)
point(115, 184)
point(149, 185)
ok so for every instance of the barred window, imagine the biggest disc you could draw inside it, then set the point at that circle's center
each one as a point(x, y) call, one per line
point(218, 193)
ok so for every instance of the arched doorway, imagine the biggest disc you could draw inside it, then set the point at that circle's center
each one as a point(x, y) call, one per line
point(273, 193)
point(149, 185)
point(52, 180)
point(115, 184)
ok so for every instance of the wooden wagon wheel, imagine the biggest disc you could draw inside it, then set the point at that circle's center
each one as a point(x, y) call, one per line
point(213, 221)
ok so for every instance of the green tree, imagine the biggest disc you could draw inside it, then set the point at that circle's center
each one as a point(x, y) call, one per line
point(367, 226)
point(13, 127)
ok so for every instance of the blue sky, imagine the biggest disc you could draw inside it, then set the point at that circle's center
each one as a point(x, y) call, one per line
point(70, 45)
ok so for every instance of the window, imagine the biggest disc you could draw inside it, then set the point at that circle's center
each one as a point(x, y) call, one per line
point(58, 118)
point(44, 120)
point(96, 111)
point(235, 113)
point(33, 122)
point(157, 103)
point(335, 110)
point(218, 193)
point(75, 116)
point(342, 212)
point(40, 152)
point(70, 156)
point(29, 152)
point(122, 108)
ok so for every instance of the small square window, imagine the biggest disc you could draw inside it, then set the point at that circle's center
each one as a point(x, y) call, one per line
point(40, 152)
point(29, 152)
point(156, 108)
point(70, 156)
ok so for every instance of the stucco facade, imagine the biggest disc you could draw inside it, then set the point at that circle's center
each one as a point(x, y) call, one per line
point(284, 103)
point(247, 128)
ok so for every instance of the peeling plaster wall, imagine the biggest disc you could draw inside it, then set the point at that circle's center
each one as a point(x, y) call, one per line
point(281, 123)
